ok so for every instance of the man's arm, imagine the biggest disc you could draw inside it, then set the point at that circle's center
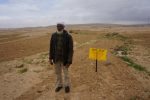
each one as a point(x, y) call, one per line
point(51, 50)
point(70, 55)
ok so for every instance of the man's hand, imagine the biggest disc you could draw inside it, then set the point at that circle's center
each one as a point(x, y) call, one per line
point(67, 65)
point(51, 61)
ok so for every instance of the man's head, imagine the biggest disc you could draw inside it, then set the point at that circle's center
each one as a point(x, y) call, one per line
point(60, 26)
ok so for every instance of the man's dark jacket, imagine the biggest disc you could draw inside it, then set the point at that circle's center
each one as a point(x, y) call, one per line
point(67, 48)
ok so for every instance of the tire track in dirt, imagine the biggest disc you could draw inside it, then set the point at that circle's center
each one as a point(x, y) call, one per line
point(37, 90)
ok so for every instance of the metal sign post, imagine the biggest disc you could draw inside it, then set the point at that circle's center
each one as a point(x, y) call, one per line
point(96, 65)
point(97, 55)
point(96, 61)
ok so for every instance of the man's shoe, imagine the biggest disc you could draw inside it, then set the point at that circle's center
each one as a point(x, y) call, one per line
point(67, 89)
point(58, 89)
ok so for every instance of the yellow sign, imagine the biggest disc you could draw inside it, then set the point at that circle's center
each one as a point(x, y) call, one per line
point(99, 54)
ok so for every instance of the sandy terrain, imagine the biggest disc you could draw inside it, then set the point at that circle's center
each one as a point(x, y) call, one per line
point(25, 73)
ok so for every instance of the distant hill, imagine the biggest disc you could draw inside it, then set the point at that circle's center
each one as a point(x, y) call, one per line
point(92, 25)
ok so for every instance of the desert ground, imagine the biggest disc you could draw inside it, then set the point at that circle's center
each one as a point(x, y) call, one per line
point(25, 72)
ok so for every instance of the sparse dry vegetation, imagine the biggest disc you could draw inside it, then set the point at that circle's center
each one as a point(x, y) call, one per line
point(123, 51)
point(115, 35)
point(22, 70)
point(136, 66)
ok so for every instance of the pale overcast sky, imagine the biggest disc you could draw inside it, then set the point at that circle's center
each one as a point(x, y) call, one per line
point(26, 13)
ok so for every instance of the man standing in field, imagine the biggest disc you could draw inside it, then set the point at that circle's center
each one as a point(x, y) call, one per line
point(60, 54)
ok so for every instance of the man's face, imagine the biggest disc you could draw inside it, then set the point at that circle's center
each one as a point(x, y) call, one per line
point(60, 27)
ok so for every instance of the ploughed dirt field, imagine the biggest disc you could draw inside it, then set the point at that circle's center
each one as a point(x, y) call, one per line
point(25, 73)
